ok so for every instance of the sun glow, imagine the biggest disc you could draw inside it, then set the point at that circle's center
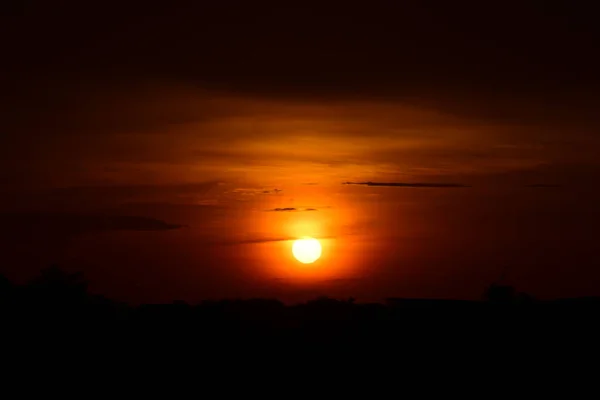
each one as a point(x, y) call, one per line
point(306, 250)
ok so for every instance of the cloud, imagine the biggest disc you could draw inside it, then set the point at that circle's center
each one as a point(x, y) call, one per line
point(411, 185)
point(91, 198)
point(120, 192)
point(147, 125)
point(255, 191)
point(266, 73)
point(266, 240)
point(75, 224)
point(253, 241)
point(543, 185)
point(342, 280)
point(572, 174)
point(291, 209)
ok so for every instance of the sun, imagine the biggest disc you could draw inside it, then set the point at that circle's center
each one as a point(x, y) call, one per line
point(307, 250)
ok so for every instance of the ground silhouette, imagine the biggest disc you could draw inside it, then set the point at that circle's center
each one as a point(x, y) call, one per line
point(57, 305)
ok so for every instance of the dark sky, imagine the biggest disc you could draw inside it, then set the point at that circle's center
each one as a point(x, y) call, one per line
point(175, 150)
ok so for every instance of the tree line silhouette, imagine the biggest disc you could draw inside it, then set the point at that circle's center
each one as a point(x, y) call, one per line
point(58, 301)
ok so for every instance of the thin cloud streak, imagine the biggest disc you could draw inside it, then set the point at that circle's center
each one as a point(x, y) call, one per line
point(291, 209)
point(266, 240)
point(543, 185)
point(409, 185)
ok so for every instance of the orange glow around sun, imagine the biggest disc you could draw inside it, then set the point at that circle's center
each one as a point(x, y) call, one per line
point(315, 247)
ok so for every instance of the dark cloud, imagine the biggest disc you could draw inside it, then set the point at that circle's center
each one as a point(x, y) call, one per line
point(255, 191)
point(256, 241)
point(291, 209)
point(128, 191)
point(543, 185)
point(150, 206)
point(342, 280)
point(88, 198)
point(575, 175)
point(53, 225)
point(454, 54)
point(265, 240)
point(409, 185)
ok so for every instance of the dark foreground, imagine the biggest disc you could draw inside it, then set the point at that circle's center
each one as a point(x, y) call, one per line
point(55, 313)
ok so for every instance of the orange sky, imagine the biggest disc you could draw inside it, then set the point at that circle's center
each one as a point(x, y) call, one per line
point(164, 135)
point(223, 164)
point(175, 152)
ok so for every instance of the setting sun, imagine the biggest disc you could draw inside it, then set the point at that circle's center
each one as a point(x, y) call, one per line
point(307, 250)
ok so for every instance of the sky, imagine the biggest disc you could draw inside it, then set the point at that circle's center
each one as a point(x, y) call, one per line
point(176, 151)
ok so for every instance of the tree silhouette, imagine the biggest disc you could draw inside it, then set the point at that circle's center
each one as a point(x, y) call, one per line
point(57, 286)
point(6, 290)
point(500, 294)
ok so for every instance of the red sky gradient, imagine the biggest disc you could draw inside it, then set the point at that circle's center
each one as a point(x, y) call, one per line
point(205, 122)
